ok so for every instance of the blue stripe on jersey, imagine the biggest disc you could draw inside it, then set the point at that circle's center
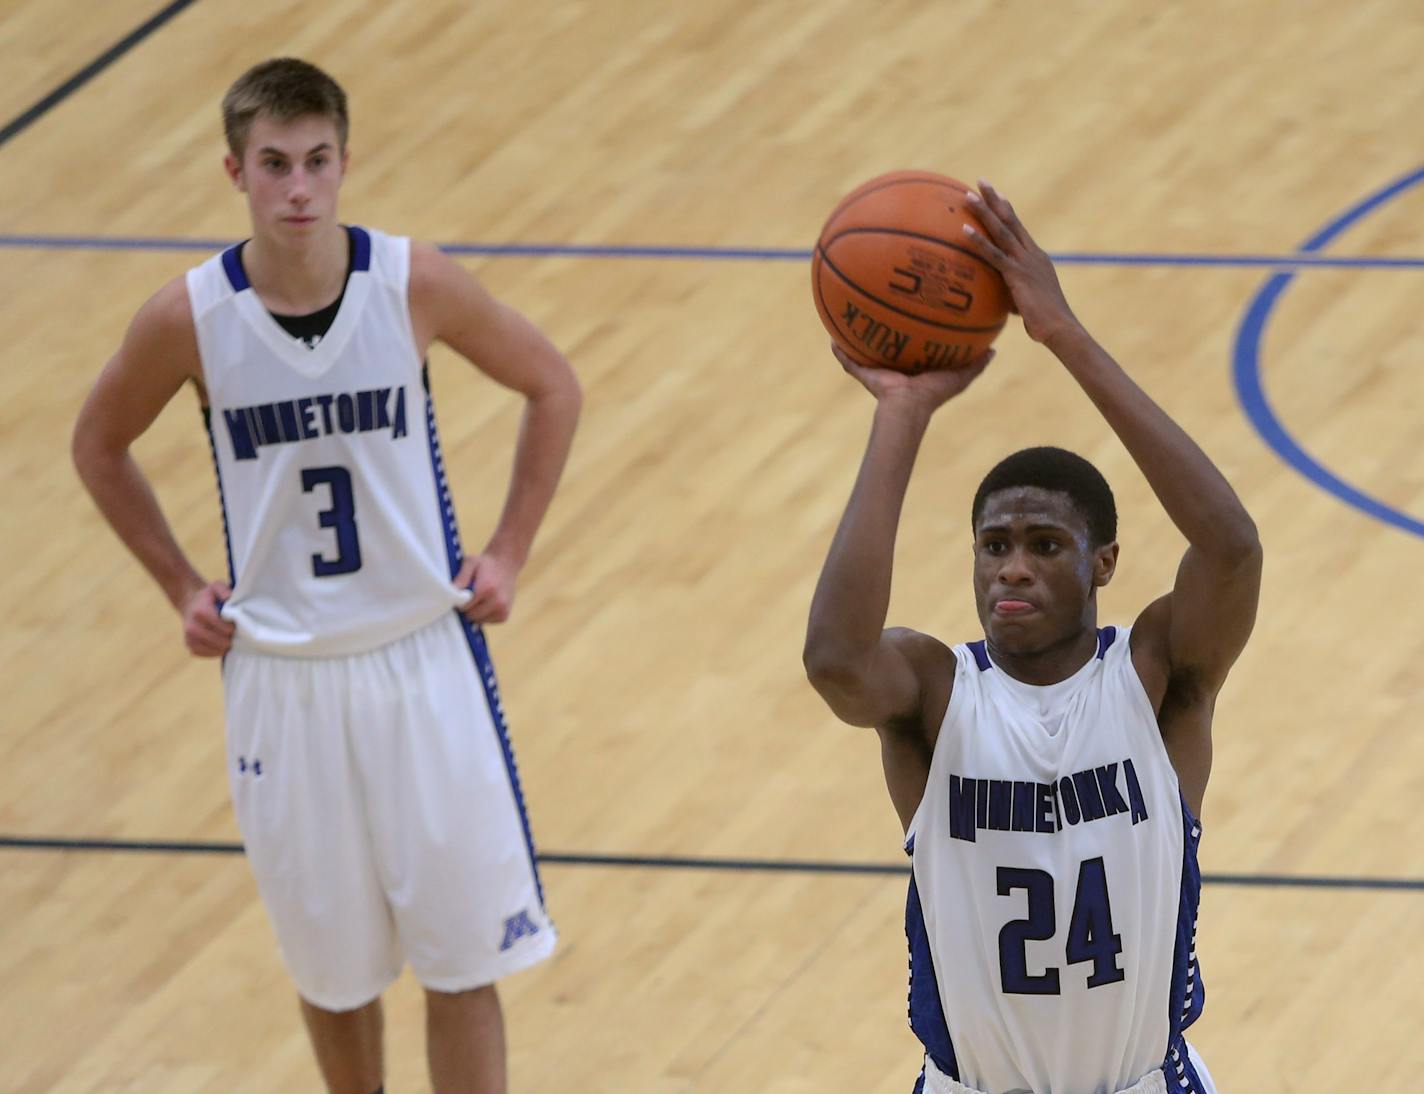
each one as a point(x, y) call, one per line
point(1181, 1076)
point(232, 265)
point(453, 553)
point(926, 1011)
point(485, 667)
point(222, 498)
point(360, 248)
point(919, 1083)
point(1106, 637)
point(1187, 996)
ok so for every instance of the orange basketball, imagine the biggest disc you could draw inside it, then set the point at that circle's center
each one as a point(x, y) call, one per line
point(895, 282)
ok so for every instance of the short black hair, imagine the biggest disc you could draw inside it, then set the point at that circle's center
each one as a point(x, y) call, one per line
point(1061, 471)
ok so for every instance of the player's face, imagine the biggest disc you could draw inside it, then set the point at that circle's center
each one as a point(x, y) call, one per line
point(1035, 570)
point(291, 172)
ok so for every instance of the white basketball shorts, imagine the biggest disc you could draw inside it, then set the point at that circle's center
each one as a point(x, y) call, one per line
point(935, 1081)
point(382, 815)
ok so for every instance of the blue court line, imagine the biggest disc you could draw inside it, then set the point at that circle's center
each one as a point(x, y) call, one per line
point(1246, 368)
point(696, 862)
point(732, 254)
point(28, 117)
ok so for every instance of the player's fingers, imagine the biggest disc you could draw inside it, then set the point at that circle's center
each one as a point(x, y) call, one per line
point(850, 364)
point(210, 619)
point(989, 217)
point(465, 578)
point(205, 645)
point(972, 371)
point(490, 610)
point(1004, 210)
point(206, 632)
point(985, 248)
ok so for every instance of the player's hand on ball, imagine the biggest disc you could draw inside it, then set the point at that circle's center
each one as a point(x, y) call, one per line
point(205, 632)
point(491, 579)
point(932, 388)
point(1024, 265)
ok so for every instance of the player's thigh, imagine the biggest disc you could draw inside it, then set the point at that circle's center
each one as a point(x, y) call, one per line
point(448, 817)
point(299, 808)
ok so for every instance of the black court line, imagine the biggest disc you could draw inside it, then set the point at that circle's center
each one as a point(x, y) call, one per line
point(698, 862)
point(89, 71)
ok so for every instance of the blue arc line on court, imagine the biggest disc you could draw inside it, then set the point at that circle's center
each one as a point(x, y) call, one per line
point(693, 862)
point(733, 254)
point(1246, 367)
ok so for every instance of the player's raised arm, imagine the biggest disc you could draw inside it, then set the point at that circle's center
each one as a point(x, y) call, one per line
point(1190, 638)
point(159, 353)
point(870, 676)
point(449, 304)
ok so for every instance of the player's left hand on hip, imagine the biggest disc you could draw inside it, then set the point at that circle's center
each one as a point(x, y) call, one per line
point(490, 580)
point(1025, 267)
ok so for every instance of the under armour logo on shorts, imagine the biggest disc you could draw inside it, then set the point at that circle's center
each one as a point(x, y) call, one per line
point(516, 927)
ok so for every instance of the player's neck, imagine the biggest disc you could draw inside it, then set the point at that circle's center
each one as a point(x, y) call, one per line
point(296, 278)
point(1052, 665)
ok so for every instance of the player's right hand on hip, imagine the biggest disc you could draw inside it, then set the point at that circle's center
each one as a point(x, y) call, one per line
point(205, 632)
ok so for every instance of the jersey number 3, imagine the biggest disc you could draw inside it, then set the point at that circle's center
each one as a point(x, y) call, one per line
point(1090, 931)
point(341, 518)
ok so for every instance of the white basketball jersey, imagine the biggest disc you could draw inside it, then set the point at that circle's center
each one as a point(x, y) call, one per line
point(340, 531)
point(1053, 899)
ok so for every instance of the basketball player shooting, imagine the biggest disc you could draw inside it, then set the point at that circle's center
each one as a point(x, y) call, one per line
point(1050, 776)
point(368, 759)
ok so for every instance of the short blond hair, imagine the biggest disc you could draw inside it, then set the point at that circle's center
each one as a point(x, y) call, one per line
point(283, 89)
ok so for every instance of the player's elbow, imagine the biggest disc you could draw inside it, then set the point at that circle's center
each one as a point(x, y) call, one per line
point(557, 385)
point(1238, 540)
point(832, 670)
point(94, 451)
point(86, 451)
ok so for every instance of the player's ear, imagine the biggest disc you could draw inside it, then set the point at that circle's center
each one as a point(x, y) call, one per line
point(1104, 564)
point(233, 166)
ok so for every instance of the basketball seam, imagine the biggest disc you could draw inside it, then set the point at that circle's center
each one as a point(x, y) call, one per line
point(845, 335)
point(959, 247)
point(927, 176)
point(826, 261)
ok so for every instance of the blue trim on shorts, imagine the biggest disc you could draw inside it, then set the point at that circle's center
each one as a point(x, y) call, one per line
point(479, 648)
point(1177, 1069)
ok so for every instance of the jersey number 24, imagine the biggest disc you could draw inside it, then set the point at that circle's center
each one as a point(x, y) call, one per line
point(1090, 930)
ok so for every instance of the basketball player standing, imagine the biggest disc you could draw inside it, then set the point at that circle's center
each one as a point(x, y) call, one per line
point(369, 764)
point(1048, 777)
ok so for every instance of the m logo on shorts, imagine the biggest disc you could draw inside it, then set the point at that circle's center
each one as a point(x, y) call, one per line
point(516, 927)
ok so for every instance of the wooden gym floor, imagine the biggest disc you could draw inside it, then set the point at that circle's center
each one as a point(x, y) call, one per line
point(1204, 173)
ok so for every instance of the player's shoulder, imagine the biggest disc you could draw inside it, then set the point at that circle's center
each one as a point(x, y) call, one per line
point(170, 308)
point(165, 320)
point(430, 267)
point(933, 664)
point(1150, 642)
point(919, 648)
